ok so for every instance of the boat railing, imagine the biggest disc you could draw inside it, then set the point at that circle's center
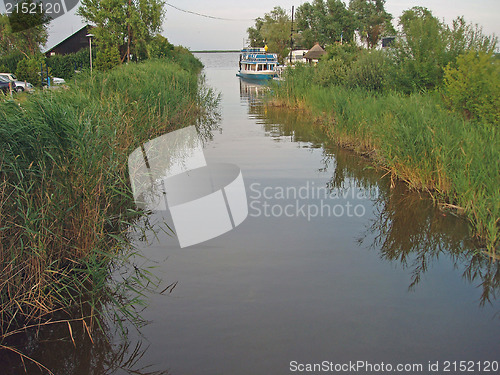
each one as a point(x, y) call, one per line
point(260, 57)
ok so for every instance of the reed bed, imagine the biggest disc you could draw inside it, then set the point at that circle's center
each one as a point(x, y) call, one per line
point(65, 200)
point(416, 138)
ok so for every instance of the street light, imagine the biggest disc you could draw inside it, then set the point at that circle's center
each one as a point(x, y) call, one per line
point(90, 45)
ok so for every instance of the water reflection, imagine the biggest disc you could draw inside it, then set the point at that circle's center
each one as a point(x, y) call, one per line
point(103, 352)
point(407, 229)
point(411, 230)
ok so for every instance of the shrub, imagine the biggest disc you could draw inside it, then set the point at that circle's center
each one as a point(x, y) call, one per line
point(369, 71)
point(182, 56)
point(346, 52)
point(28, 69)
point(473, 87)
point(9, 62)
point(427, 46)
point(420, 52)
point(330, 72)
point(107, 58)
point(64, 66)
point(160, 47)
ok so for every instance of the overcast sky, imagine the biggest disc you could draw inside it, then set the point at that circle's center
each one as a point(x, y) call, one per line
point(199, 33)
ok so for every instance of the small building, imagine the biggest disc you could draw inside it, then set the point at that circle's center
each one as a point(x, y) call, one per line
point(72, 43)
point(314, 54)
point(296, 56)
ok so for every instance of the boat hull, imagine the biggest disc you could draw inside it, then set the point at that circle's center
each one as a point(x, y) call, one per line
point(257, 75)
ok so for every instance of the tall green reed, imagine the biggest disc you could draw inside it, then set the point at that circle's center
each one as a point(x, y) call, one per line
point(65, 200)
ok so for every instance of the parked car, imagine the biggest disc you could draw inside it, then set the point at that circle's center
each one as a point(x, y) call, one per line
point(6, 84)
point(57, 81)
point(53, 80)
point(24, 86)
point(9, 76)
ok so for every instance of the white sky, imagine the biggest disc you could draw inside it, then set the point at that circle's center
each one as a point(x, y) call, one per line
point(199, 33)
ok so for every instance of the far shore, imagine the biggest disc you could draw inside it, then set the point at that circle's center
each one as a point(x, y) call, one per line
point(217, 51)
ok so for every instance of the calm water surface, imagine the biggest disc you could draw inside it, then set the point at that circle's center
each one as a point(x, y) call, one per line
point(379, 275)
point(391, 285)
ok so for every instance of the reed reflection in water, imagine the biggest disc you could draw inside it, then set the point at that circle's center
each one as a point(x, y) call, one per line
point(409, 229)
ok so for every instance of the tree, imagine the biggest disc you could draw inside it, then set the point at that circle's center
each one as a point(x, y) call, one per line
point(464, 37)
point(255, 34)
point(25, 32)
point(373, 21)
point(420, 52)
point(426, 46)
point(325, 23)
point(273, 30)
point(127, 25)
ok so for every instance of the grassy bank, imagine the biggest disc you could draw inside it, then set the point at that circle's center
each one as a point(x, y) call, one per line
point(416, 138)
point(65, 201)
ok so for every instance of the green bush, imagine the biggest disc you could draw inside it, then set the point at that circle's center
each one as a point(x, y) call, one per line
point(473, 87)
point(64, 66)
point(346, 52)
point(369, 71)
point(420, 53)
point(185, 59)
point(330, 72)
point(9, 62)
point(28, 69)
point(107, 58)
point(160, 47)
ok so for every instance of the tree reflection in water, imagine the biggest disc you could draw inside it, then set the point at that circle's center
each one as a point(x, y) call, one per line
point(407, 227)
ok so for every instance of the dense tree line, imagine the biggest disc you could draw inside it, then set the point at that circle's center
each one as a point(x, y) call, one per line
point(324, 22)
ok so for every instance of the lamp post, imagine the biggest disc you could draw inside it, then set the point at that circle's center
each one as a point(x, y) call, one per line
point(90, 46)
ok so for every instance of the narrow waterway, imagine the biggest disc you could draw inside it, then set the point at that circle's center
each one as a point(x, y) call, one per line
point(332, 264)
point(365, 273)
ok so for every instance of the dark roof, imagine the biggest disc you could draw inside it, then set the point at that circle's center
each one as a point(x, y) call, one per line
point(315, 53)
point(72, 43)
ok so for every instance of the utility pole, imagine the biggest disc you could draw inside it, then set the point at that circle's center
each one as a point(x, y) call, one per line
point(291, 37)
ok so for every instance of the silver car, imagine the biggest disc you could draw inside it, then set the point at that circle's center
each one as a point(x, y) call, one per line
point(24, 86)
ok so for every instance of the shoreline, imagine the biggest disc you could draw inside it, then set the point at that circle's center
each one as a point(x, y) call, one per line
point(441, 191)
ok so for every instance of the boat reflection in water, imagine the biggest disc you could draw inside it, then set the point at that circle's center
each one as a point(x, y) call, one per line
point(252, 89)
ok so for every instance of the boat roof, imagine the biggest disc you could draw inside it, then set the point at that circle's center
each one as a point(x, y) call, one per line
point(253, 49)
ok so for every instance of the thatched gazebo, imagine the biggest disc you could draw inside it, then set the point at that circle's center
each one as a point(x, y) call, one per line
point(313, 55)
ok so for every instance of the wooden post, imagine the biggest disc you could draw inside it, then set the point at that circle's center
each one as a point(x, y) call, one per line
point(128, 31)
point(291, 37)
